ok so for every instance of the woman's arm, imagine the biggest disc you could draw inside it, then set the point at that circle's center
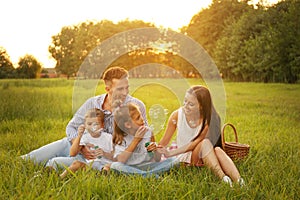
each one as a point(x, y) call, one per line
point(170, 130)
point(108, 155)
point(186, 148)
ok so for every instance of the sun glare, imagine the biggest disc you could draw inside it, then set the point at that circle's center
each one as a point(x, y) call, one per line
point(30, 24)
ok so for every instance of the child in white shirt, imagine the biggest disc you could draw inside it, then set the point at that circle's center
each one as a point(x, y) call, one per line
point(91, 134)
point(135, 147)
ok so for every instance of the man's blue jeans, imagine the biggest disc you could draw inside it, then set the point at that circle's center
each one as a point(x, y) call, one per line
point(59, 148)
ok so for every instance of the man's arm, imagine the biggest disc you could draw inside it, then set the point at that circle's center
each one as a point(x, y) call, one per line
point(78, 119)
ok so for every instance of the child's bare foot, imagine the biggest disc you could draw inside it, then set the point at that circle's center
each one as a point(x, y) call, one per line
point(105, 170)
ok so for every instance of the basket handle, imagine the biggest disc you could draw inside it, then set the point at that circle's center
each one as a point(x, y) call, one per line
point(223, 129)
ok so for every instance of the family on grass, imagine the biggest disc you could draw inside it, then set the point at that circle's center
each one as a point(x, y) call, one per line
point(110, 132)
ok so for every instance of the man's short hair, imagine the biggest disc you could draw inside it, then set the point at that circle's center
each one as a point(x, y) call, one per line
point(114, 73)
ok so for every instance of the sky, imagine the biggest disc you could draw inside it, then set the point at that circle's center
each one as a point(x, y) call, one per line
point(28, 25)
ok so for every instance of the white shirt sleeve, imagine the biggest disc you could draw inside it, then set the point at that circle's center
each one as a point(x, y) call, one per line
point(119, 149)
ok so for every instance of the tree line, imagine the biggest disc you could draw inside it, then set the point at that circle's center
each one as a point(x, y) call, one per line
point(251, 44)
point(247, 42)
point(28, 66)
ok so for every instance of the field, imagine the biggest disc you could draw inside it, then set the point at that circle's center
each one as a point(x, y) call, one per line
point(35, 112)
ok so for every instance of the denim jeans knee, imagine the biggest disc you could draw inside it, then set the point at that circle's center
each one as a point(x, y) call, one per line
point(59, 148)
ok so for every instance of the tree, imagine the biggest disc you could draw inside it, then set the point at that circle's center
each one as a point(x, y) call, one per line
point(288, 39)
point(263, 45)
point(28, 67)
point(6, 66)
point(62, 50)
point(71, 46)
point(207, 26)
point(232, 53)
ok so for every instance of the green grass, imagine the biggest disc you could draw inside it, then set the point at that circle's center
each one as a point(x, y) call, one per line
point(35, 112)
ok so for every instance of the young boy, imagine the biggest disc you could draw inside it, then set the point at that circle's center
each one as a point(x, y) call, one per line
point(91, 134)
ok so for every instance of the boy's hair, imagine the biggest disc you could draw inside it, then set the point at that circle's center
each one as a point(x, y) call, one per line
point(114, 73)
point(95, 112)
point(123, 114)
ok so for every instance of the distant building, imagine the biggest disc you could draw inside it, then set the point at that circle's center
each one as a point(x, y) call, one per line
point(48, 73)
point(51, 73)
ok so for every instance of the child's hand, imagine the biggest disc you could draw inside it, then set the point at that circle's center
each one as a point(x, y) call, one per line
point(87, 152)
point(141, 132)
point(151, 147)
point(81, 129)
point(99, 152)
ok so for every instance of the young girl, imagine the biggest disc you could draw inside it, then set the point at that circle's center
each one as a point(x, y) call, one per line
point(131, 137)
point(91, 134)
point(198, 136)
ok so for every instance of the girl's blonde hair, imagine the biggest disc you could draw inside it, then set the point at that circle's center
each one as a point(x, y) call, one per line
point(123, 114)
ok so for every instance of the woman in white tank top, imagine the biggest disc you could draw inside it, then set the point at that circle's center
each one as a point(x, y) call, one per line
point(198, 136)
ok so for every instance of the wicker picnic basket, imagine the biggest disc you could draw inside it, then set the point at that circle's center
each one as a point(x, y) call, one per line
point(235, 150)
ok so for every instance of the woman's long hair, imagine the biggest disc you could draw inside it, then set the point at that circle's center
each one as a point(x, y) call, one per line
point(205, 104)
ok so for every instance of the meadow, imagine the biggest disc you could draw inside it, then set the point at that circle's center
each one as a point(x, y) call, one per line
point(35, 112)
